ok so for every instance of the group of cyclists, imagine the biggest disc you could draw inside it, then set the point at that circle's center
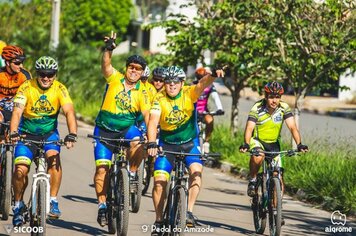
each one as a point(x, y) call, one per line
point(131, 101)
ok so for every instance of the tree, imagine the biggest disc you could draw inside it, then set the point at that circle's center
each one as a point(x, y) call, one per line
point(87, 21)
point(315, 43)
point(233, 31)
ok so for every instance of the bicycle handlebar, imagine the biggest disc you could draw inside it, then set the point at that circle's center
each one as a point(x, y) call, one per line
point(119, 140)
point(183, 154)
point(42, 142)
point(290, 152)
point(213, 113)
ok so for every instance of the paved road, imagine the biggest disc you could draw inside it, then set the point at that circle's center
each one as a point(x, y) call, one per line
point(222, 206)
point(330, 129)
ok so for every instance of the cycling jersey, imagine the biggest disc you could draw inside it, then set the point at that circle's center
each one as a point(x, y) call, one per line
point(177, 115)
point(121, 108)
point(268, 127)
point(151, 90)
point(41, 106)
point(202, 103)
point(9, 85)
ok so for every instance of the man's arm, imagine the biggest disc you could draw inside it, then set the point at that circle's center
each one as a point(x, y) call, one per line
point(106, 67)
point(16, 117)
point(217, 100)
point(290, 122)
point(207, 80)
point(68, 110)
point(152, 133)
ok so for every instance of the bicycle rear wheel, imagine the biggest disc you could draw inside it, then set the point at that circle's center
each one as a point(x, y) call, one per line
point(6, 182)
point(258, 208)
point(275, 207)
point(39, 219)
point(122, 195)
point(180, 212)
point(112, 206)
point(137, 189)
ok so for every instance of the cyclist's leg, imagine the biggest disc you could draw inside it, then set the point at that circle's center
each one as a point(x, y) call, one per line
point(209, 126)
point(22, 160)
point(195, 166)
point(255, 161)
point(136, 152)
point(103, 157)
point(162, 169)
point(54, 167)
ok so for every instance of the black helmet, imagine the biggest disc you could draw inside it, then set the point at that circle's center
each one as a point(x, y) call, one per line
point(137, 60)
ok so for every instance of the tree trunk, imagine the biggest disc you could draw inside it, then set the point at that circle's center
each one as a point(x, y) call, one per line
point(298, 105)
point(234, 113)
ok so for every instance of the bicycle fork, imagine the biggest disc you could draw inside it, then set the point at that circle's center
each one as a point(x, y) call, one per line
point(36, 178)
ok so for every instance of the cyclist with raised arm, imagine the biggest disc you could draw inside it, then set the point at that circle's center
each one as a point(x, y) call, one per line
point(263, 129)
point(12, 75)
point(202, 107)
point(36, 108)
point(174, 110)
point(157, 78)
point(125, 100)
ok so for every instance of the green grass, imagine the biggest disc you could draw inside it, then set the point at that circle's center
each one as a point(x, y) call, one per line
point(326, 174)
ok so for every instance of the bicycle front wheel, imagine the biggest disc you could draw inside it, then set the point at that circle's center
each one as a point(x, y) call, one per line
point(137, 186)
point(180, 213)
point(147, 175)
point(111, 204)
point(258, 208)
point(122, 196)
point(39, 219)
point(275, 207)
point(6, 181)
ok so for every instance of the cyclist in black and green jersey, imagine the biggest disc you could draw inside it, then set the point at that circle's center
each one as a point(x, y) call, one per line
point(264, 126)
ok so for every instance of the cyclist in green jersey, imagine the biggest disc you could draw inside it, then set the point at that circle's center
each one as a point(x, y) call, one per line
point(264, 126)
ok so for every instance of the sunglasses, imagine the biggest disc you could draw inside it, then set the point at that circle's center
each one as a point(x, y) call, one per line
point(17, 62)
point(272, 96)
point(46, 74)
point(137, 68)
point(158, 80)
point(172, 80)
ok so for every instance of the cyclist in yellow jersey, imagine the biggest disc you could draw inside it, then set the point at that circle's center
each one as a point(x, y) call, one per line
point(125, 99)
point(35, 114)
point(264, 126)
point(174, 110)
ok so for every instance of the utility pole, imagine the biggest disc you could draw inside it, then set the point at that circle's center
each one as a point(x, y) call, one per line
point(56, 9)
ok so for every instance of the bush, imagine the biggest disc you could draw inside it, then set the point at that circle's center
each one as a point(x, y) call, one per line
point(326, 175)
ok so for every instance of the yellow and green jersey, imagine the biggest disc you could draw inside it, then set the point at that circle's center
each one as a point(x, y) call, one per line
point(121, 108)
point(151, 91)
point(268, 127)
point(177, 115)
point(41, 106)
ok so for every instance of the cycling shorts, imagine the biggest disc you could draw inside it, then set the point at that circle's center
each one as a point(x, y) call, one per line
point(165, 164)
point(24, 154)
point(102, 151)
point(270, 147)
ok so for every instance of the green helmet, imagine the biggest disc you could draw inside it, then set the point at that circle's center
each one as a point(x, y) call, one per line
point(46, 63)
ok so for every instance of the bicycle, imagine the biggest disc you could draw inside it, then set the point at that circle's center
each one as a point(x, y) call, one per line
point(147, 174)
point(177, 198)
point(202, 135)
point(6, 167)
point(118, 193)
point(268, 193)
point(38, 206)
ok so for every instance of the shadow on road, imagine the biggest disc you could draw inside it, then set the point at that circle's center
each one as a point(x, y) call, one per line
point(216, 225)
point(76, 198)
point(75, 226)
point(307, 223)
point(226, 190)
point(221, 205)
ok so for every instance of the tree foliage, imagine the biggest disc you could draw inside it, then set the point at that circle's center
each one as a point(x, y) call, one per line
point(302, 43)
point(86, 21)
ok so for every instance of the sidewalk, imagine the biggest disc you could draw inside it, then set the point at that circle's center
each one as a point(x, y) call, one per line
point(318, 105)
